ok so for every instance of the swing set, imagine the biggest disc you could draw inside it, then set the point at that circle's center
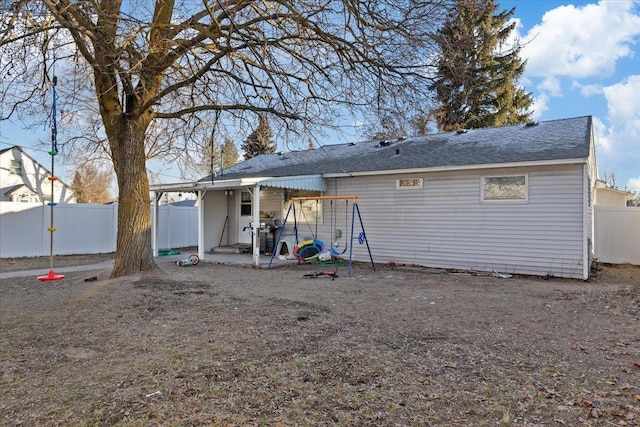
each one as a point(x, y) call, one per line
point(312, 249)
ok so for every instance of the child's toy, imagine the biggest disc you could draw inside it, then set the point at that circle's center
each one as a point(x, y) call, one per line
point(192, 259)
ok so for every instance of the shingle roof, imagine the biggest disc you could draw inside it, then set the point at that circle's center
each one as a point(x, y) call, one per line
point(551, 140)
point(6, 149)
point(17, 187)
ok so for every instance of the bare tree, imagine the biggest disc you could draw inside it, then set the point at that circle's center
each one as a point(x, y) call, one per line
point(154, 71)
point(91, 185)
point(609, 179)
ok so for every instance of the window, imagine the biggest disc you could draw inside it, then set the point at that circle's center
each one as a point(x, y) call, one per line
point(309, 211)
point(245, 203)
point(504, 188)
point(16, 167)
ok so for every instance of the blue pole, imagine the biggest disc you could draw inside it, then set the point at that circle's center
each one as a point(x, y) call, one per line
point(365, 238)
point(353, 212)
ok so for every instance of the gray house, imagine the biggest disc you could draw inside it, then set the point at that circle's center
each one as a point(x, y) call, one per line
point(514, 199)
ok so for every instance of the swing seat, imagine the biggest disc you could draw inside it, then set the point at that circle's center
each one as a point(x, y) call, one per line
point(51, 277)
point(336, 253)
point(308, 250)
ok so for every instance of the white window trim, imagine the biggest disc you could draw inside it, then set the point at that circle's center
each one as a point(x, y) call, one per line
point(419, 185)
point(505, 201)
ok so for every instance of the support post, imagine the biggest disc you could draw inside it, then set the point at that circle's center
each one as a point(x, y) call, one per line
point(256, 227)
point(201, 213)
point(157, 195)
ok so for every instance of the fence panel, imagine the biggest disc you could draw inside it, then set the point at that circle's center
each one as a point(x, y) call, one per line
point(83, 228)
point(21, 229)
point(617, 235)
point(177, 226)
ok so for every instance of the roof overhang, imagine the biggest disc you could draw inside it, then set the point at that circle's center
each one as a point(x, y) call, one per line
point(300, 182)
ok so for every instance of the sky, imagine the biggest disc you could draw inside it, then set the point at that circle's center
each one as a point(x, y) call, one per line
point(583, 59)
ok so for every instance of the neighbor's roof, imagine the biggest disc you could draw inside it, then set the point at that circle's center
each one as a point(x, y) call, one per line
point(554, 140)
point(19, 186)
point(8, 149)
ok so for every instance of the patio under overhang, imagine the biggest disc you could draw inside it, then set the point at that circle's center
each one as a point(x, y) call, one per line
point(300, 182)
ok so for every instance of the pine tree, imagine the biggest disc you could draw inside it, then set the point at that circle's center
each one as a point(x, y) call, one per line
point(210, 162)
point(477, 79)
point(229, 153)
point(260, 141)
point(215, 157)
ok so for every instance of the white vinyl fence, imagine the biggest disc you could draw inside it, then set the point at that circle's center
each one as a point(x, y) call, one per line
point(617, 235)
point(83, 228)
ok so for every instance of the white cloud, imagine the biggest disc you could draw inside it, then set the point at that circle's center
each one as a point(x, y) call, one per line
point(633, 184)
point(623, 101)
point(539, 105)
point(588, 90)
point(601, 136)
point(550, 85)
point(618, 145)
point(581, 41)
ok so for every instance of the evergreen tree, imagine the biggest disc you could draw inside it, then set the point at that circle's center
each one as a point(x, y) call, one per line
point(476, 85)
point(229, 153)
point(210, 162)
point(216, 157)
point(260, 141)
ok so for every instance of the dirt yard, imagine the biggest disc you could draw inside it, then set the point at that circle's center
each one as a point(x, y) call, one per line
point(232, 346)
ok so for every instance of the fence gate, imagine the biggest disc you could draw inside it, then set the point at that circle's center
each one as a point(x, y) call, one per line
point(617, 235)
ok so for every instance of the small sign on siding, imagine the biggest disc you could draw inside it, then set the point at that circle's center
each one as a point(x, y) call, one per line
point(409, 183)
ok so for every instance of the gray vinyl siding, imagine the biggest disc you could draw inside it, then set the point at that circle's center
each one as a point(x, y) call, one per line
point(445, 224)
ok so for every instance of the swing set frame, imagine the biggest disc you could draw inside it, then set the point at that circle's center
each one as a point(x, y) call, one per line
point(362, 236)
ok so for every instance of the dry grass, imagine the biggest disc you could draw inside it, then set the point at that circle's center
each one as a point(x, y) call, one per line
point(220, 345)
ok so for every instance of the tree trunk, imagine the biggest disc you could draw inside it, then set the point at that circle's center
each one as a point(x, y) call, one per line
point(133, 250)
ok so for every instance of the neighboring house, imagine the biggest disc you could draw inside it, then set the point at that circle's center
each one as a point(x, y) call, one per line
point(23, 179)
point(514, 199)
point(608, 197)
